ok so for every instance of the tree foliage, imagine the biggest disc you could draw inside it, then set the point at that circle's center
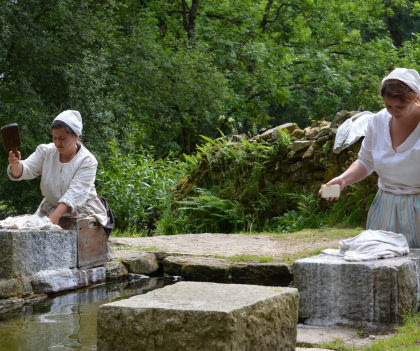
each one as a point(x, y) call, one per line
point(158, 74)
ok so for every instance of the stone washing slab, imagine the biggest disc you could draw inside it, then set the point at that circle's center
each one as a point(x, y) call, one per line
point(201, 316)
point(25, 252)
point(371, 294)
point(218, 270)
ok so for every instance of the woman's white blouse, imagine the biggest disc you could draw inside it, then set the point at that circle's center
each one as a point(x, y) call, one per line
point(398, 171)
point(71, 183)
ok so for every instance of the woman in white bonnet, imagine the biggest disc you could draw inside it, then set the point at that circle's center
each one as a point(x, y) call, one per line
point(67, 170)
point(391, 148)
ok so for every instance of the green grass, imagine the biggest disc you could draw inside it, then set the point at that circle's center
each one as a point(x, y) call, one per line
point(127, 233)
point(147, 248)
point(290, 258)
point(407, 338)
point(249, 258)
point(322, 233)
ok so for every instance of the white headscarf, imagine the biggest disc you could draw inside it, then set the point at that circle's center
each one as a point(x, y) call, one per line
point(73, 119)
point(408, 76)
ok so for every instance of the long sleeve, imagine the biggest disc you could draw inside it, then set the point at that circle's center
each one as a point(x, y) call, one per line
point(32, 166)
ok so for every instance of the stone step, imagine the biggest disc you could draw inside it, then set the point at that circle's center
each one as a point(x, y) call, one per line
point(210, 269)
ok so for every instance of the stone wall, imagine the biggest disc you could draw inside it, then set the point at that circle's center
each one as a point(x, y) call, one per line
point(302, 166)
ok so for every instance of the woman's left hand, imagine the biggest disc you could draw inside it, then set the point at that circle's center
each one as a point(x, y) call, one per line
point(61, 209)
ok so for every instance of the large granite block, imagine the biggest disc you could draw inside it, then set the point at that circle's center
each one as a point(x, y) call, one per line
point(201, 316)
point(369, 293)
point(24, 252)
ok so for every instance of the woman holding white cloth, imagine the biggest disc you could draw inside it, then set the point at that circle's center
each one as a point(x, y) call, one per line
point(391, 148)
point(67, 170)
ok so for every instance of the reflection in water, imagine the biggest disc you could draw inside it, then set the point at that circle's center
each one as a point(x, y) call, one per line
point(68, 321)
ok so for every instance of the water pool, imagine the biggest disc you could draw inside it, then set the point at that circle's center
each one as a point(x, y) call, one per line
point(67, 322)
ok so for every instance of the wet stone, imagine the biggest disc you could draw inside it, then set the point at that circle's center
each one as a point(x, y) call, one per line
point(10, 287)
point(52, 281)
point(115, 270)
point(372, 294)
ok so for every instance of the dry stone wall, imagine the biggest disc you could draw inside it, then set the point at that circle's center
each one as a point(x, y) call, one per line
point(302, 166)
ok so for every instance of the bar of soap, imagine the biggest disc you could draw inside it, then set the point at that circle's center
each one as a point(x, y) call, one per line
point(330, 190)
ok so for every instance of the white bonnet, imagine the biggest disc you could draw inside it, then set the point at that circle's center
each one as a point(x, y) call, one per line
point(73, 119)
point(408, 76)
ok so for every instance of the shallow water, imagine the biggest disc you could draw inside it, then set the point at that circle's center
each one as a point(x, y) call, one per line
point(66, 322)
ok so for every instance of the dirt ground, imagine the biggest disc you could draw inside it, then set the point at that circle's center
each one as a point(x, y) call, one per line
point(231, 244)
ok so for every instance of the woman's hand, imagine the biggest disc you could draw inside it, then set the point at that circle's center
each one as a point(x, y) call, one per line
point(16, 168)
point(338, 180)
point(61, 209)
point(355, 173)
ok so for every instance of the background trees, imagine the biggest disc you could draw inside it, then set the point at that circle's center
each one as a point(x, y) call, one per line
point(158, 74)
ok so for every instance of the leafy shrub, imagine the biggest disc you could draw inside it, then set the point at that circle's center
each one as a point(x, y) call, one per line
point(137, 187)
point(307, 214)
point(205, 212)
point(352, 206)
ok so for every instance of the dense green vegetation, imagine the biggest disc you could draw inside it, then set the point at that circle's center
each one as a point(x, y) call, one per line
point(150, 77)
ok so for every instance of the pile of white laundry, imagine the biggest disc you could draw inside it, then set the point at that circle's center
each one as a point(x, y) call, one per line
point(371, 245)
point(28, 222)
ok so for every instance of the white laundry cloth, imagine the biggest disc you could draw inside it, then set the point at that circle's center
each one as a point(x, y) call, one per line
point(28, 222)
point(351, 130)
point(371, 245)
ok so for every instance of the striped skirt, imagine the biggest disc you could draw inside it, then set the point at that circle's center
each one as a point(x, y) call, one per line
point(398, 214)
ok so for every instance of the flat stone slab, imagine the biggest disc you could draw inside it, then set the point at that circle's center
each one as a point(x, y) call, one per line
point(209, 269)
point(201, 316)
point(202, 269)
point(372, 294)
point(25, 252)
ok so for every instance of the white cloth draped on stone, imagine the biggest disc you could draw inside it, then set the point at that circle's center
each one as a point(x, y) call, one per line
point(28, 222)
point(371, 245)
point(351, 130)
